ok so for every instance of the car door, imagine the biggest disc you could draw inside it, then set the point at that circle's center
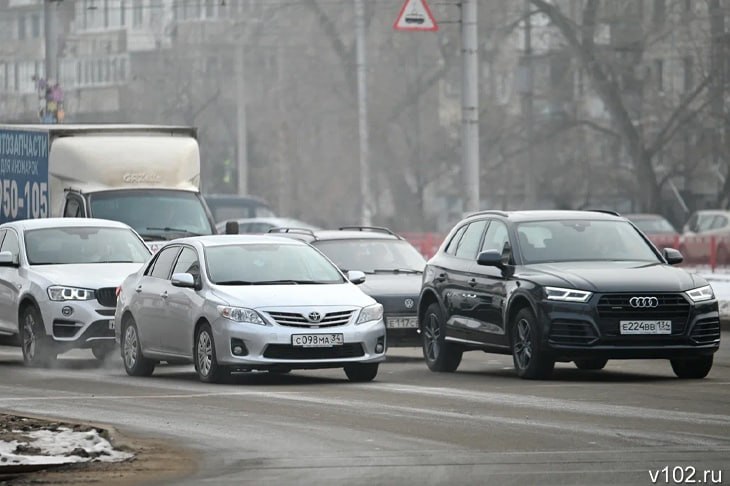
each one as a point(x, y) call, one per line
point(150, 306)
point(491, 290)
point(458, 296)
point(8, 276)
point(183, 307)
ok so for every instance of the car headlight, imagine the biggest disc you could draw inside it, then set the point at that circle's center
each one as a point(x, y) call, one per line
point(567, 295)
point(60, 293)
point(370, 313)
point(241, 314)
point(701, 293)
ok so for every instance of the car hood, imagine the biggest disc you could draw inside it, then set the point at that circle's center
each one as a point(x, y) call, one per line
point(613, 276)
point(386, 285)
point(87, 275)
point(261, 296)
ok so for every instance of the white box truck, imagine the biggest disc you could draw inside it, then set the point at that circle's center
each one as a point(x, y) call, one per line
point(143, 175)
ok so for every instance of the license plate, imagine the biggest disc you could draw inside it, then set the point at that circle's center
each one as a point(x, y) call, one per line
point(401, 322)
point(317, 340)
point(646, 327)
point(111, 324)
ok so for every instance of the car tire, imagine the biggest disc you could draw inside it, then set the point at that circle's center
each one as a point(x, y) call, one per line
point(102, 351)
point(135, 364)
point(38, 348)
point(692, 368)
point(361, 372)
point(590, 364)
point(440, 355)
point(206, 362)
point(530, 360)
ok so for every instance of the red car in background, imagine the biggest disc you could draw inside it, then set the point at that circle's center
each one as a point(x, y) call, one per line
point(656, 228)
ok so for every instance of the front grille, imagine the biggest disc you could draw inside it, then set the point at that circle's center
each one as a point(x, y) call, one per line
point(613, 308)
point(107, 296)
point(295, 319)
point(706, 331)
point(287, 351)
point(572, 333)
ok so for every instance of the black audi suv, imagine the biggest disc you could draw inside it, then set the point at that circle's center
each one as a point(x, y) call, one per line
point(560, 286)
point(393, 267)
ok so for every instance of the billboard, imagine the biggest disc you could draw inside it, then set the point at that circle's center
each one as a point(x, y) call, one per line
point(23, 174)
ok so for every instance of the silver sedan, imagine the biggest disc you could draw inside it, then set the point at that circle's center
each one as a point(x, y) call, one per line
point(241, 303)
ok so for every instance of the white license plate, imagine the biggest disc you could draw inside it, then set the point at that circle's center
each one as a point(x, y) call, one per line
point(111, 324)
point(401, 322)
point(317, 340)
point(645, 327)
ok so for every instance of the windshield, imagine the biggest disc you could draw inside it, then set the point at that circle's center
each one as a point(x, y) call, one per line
point(566, 241)
point(88, 244)
point(154, 214)
point(654, 226)
point(269, 264)
point(373, 255)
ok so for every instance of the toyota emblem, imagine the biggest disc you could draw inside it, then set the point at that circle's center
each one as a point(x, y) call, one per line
point(409, 303)
point(644, 302)
point(314, 317)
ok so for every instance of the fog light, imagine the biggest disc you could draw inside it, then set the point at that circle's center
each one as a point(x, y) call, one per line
point(67, 310)
point(238, 348)
point(378, 348)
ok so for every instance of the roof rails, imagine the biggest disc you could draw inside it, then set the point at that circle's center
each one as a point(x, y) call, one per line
point(299, 231)
point(488, 211)
point(605, 211)
point(378, 229)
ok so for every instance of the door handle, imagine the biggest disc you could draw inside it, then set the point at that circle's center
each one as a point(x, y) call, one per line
point(164, 294)
point(473, 282)
point(138, 289)
point(440, 277)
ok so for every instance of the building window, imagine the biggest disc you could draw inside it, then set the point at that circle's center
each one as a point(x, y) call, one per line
point(138, 13)
point(3, 77)
point(35, 25)
point(21, 27)
point(659, 74)
point(106, 13)
point(689, 78)
point(209, 9)
point(660, 12)
point(122, 14)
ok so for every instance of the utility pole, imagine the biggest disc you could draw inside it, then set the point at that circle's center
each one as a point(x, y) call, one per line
point(50, 24)
point(527, 112)
point(362, 103)
point(470, 104)
point(241, 134)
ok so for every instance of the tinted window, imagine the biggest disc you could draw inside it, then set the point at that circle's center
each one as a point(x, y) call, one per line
point(163, 264)
point(84, 244)
point(187, 262)
point(72, 208)
point(565, 241)
point(454, 243)
point(10, 243)
point(469, 243)
point(497, 235)
point(268, 263)
point(372, 255)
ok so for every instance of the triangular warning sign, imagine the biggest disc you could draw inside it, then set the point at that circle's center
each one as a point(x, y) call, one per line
point(415, 15)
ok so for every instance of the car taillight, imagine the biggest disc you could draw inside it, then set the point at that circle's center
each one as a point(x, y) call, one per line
point(118, 291)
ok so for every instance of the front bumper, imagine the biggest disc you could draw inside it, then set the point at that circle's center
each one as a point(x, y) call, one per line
point(573, 331)
point(267, 347)
point(88, 324)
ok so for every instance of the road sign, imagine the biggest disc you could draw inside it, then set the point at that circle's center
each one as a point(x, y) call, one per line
point(415, 15)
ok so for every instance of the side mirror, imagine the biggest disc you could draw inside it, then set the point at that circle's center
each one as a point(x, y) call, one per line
point(7, 259)
point(672, 256)
point(355, 276)
point(184, 280)
point(231, 227)
point(490, 258)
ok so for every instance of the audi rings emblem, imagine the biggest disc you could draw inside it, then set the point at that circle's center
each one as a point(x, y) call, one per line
point(409, 303)
point(314, 317)
point(644, 302)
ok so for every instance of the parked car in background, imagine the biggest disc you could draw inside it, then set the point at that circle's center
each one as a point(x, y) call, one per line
point(394, 268)
point(230, 206)
point(263, 225)
point(696, 245)
point(240, 303)
point(652, 224)
point(549, 286)
point(58, 280)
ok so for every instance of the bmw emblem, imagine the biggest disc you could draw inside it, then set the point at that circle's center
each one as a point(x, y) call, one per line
point(409, 303)
point(314, 316)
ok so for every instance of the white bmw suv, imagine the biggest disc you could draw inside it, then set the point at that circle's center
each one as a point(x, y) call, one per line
point(58, 280)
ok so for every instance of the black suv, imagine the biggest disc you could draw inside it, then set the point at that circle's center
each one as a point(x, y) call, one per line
point(547, 286)
point(393, 266)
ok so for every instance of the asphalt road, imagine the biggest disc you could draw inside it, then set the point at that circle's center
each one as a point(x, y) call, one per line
point(480, 425)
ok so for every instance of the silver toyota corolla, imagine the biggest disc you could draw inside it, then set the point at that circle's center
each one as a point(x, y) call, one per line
point(58, 278)
point(240, 303)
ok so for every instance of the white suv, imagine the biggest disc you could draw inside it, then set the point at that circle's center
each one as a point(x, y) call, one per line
point(58, 281)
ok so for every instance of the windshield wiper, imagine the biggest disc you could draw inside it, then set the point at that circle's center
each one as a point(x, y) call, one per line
point(167, 229)
point(234, 282)
point(396, 270)
point(116, 261)
point(288, 282)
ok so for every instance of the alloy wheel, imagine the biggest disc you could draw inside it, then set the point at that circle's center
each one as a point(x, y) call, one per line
point(29, 337)
point(130, 347)
point(432, 332)
point(523, 344)
point(205, 353)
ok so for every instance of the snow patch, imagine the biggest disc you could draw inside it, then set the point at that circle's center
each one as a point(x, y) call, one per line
point(59, 446)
